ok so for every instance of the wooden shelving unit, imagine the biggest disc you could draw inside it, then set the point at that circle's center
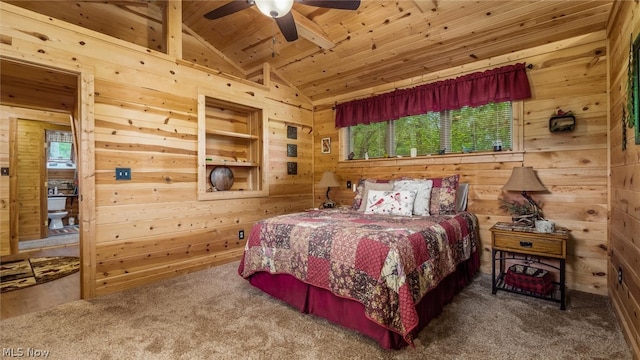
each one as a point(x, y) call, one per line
point(231, 134)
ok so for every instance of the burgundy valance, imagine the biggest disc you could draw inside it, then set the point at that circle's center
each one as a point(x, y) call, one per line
point(507, 83)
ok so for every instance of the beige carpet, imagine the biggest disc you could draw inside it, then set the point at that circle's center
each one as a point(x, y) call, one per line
point(214, 314)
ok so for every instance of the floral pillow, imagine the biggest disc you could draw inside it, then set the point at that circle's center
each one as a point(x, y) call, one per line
point(360, 200)
point(390, 202)
point(422, 187)
point(443, 195)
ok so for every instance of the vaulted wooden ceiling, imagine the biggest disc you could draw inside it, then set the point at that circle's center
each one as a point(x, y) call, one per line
point(341, 51)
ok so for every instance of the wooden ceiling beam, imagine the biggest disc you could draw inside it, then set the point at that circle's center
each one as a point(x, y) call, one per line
point(206, 44)
point(426, 6)
point(312, 31)
point(173, 27)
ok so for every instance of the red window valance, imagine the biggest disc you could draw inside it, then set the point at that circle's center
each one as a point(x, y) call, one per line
point(507, 83)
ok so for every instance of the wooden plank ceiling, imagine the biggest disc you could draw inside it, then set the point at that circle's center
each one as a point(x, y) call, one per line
point(37, 87)
point(341, 51)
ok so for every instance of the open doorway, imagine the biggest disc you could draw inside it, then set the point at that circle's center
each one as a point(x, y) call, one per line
point(47, 99)
point(47, 191)
point(37, 101)
point(43, 98)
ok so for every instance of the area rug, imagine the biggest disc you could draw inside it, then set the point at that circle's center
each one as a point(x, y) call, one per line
point(53, 241)
point(69, 229)
point(20, 274)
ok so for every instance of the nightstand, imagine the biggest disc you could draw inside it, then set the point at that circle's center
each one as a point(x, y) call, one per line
point(521, 243)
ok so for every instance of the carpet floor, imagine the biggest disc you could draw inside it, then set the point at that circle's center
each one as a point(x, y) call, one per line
point(215, 314)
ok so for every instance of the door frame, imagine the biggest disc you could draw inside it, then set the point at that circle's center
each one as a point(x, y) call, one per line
point(83, 117)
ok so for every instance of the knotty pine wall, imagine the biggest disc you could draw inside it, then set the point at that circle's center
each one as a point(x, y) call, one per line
point(567, 75)
point(138, 109)
point(624, 225)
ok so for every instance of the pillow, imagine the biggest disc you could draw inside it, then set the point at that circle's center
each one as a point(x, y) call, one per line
point(422, 187)
point(461, 197)
point(443, 195)
point(360, 200)
point(390, 202)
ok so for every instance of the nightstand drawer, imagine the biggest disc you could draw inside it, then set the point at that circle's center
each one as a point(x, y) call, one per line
point(529, 245)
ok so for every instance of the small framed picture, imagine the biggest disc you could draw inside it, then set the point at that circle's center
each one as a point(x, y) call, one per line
point(326, 145)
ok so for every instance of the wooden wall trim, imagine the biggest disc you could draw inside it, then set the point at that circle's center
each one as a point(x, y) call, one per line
point(87, 184)
point(13, 185)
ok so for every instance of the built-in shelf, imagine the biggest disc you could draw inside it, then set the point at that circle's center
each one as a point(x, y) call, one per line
point(230, 134)
point(230, 163)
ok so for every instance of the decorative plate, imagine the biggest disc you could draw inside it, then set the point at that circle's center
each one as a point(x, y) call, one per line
point(221, 178)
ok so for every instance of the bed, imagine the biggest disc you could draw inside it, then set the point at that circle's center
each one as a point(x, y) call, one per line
point(382, 274)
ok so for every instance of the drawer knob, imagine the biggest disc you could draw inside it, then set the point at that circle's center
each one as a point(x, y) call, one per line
point(527, 244)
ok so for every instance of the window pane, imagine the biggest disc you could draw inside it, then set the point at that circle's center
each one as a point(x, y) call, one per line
point(465, 129)
point(421, 132)
point(59, 151)
point(368, 138)
point(479, 128)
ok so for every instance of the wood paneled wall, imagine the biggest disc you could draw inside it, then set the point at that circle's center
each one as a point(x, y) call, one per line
point(568, 75)
point(30, 173)
point(624, 224)
point(139, 111)
point(5, 235)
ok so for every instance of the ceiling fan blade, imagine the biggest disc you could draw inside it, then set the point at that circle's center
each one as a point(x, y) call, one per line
point(228, 9)
point(287, 27)
point(333, 4)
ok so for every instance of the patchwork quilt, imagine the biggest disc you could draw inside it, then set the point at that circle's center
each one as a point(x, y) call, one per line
point(387, 263)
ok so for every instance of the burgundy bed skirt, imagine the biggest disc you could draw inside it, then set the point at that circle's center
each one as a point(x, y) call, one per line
point(350, 313)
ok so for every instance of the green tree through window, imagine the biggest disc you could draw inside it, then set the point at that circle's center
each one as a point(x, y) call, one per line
point(462, 130)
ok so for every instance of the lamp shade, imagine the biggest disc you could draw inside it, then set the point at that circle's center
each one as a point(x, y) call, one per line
point(523, 179)
point(274, 8)
point(329, 179)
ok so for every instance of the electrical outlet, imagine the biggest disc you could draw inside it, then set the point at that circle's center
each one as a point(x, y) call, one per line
point(241, 234)
point(620, 275)
point(349, 184)
point(123, 173)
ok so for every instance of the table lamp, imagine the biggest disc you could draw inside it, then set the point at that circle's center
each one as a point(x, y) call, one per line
point(329, 180)
point(523, 179)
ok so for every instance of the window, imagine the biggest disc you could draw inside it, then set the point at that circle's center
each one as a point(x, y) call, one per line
point(60, 152)
point(463, 130)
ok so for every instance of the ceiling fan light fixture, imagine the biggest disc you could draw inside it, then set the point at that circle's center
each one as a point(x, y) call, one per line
point(274, 8)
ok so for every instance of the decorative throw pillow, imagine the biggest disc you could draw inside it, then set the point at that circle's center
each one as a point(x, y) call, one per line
point(422, 187)
point(360, 200)
point(390, 202)
point(443, 195)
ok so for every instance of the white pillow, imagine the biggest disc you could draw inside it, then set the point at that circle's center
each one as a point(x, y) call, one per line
point(373, 185)
point(390, 202)
point(422, 187)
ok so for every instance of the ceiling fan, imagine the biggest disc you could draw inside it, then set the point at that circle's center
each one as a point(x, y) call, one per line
point(280, 11)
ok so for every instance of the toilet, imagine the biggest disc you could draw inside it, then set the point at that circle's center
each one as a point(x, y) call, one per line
point(56, 206)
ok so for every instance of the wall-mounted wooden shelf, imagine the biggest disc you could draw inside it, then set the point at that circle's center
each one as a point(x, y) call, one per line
point(231, 134)
point(230, 163)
